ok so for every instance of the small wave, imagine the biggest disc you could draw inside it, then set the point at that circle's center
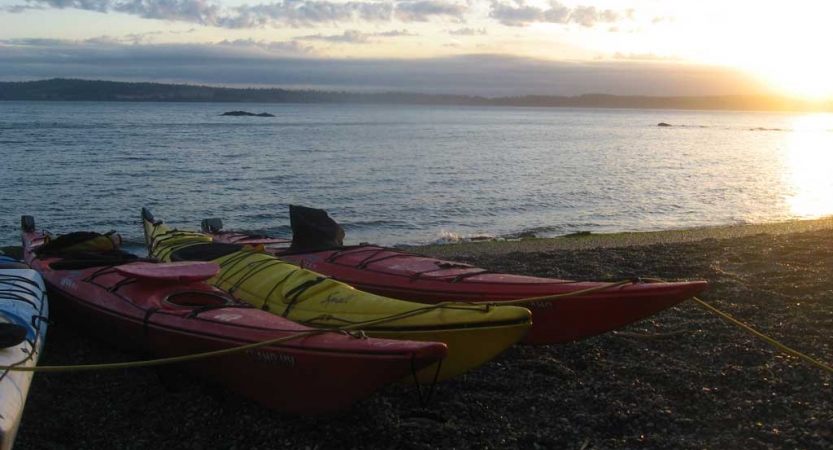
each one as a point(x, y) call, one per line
point(447, 237)
point(55, 125)
point(769, 129)
point(377, 224)
point(133, 158)
point(255, 215)
point(551, 230)
point(281, 232)
point(670, 125)
point(133, 245)
point(741, 222)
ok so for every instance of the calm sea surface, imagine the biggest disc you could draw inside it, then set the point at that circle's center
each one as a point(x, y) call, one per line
point(408, 174)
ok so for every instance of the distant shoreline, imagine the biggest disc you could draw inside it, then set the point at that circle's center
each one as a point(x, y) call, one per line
point(111, 91)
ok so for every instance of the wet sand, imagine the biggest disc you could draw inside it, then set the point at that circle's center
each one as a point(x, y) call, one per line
point(680, 379)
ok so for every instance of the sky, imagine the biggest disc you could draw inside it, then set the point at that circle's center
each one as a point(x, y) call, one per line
point(476, 47)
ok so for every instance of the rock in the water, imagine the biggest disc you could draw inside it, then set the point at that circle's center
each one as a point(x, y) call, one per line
point(246, 113)
point(663, 124)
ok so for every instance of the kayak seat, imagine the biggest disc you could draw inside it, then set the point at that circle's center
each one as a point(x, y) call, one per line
point(79, 241)
point(11, 334)
point(84, 260)
point(205, 252)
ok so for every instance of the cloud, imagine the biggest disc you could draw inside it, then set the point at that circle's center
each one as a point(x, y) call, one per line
point(105, 57)
point(643, 57)
point(294, 65)
point(104, 40)
point(134, 38)
point(17, 9)
point(89, 5)
point(395, 33)
point(274, 47)
point(299, 13)
point(349, 36)
point(658, 20)
point(423, 11)
point(355, 36)
point(194, 11)
point(519, 14)
point(37, 42)
point(587, 16)
point(295, 13)
point(468, 32)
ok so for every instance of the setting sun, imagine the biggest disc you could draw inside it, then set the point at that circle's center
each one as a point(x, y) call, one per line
point(782, 46)
point(811, 81)
point(794, 63)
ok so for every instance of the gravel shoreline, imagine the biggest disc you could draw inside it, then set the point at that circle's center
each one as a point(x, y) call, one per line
point(682, 379)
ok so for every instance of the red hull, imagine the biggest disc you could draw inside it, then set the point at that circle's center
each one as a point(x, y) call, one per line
point(313, 374)
point(393, 273)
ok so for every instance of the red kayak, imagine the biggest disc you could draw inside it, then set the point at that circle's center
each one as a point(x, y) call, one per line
point(398, 274)
point(161, 310)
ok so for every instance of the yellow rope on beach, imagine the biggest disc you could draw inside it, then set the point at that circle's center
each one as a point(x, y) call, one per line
point(754, 332)
point(764, 337)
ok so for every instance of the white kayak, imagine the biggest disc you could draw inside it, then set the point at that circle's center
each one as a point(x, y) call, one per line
point(23, 312)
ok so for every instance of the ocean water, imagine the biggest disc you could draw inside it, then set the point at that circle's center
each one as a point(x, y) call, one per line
point(408, 174)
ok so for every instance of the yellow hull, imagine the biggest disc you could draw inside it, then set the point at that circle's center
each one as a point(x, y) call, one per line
point(474, 334)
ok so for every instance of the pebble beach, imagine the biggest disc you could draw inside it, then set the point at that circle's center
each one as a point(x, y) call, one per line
point(682, 379)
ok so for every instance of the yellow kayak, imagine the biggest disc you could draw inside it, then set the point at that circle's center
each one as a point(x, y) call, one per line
point(474, 334)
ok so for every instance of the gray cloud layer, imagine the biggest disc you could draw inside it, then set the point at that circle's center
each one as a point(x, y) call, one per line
point(299, 13)
point(304, 13)
point(355, 36)
point(286, 12)
point(519, 14)
point(423, 11)
point(289, 64)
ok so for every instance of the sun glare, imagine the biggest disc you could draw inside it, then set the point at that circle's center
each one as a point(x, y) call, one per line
point(784, 46)
point(810, 157)
point(803, 75)
point(793, 58)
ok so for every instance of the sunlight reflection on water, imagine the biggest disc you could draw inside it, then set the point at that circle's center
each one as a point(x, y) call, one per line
point(810, 166)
